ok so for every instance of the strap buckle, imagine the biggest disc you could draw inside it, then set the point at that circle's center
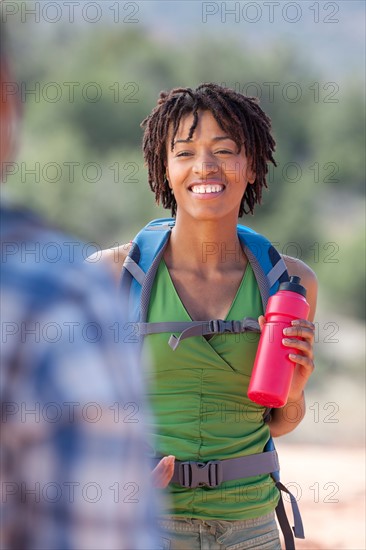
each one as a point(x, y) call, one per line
point(218, 326)
point(200, 474)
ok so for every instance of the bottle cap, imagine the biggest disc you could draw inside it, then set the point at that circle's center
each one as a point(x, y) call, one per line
point(294, 286)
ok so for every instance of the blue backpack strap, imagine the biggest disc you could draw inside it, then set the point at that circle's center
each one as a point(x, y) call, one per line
point(139, 268)
point(268, 266)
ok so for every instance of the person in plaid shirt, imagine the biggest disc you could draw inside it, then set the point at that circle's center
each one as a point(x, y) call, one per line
point(73, 472)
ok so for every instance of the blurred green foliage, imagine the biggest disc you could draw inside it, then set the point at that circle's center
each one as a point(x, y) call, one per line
point(314, 207)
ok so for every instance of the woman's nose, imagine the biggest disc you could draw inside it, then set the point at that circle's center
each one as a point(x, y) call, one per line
point(205, 165)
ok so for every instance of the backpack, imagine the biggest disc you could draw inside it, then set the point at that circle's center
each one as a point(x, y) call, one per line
point(138, 274)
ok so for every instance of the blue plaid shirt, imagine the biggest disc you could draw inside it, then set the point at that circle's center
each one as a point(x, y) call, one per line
point(73, 473)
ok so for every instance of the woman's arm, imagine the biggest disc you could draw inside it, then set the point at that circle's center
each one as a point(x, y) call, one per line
point(285, 419)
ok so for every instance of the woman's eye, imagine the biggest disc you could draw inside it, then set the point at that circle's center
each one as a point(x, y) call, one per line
point(190, 153)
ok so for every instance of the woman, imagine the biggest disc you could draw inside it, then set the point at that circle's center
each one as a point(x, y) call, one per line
point(207, 152)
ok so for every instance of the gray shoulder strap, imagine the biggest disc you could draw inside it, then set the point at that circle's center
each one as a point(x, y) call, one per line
point(135, 270)
point(277, 270)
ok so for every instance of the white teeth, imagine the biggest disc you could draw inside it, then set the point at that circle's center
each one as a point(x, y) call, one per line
point(198, 189)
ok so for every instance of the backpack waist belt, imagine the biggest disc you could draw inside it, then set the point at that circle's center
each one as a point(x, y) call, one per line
point(191, 474)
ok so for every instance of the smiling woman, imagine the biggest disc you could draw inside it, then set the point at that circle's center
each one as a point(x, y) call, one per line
point(207, 152)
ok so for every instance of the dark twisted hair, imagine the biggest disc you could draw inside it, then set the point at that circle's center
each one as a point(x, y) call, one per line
point(238, 115)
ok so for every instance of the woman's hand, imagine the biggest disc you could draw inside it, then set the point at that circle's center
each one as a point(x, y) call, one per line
point(163, 472)
point(301, 337)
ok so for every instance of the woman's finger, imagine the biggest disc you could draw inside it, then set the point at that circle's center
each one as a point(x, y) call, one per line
point(301, 345)
point(261, 321)
point(303, 361)
point(298, 330)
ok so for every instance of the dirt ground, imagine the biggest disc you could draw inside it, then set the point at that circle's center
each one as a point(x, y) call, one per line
point(329, 485)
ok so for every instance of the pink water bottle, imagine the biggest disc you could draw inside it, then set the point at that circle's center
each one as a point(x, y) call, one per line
point(273, 370)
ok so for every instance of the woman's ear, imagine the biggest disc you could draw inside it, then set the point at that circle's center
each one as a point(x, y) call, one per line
point(167, 176)
point(251, 175)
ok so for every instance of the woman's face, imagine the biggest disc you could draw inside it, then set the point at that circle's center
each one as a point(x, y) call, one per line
point(207, 173)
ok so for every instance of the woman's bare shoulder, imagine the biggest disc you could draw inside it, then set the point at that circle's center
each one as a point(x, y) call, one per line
point(112, 258)
point(301, 269)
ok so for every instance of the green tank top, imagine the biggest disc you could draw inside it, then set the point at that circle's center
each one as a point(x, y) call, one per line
point(201, 412)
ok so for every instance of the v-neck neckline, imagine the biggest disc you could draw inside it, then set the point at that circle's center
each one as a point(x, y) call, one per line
point(182, 303)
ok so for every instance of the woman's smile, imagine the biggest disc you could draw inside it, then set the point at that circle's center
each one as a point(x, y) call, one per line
point(207, 189)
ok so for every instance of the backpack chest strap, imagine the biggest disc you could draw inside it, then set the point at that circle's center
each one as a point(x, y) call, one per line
point(198, 328)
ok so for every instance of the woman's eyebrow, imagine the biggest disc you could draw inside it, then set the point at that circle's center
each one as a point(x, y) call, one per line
point(219, 138)
point(216, 138)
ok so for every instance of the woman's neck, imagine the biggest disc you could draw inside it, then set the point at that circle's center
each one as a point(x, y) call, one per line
point(205, 246)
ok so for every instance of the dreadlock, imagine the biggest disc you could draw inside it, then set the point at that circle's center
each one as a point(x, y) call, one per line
point(238, 115)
